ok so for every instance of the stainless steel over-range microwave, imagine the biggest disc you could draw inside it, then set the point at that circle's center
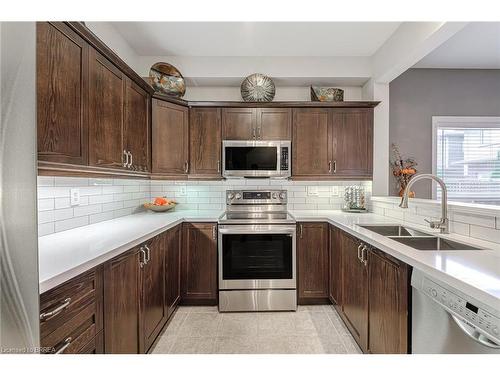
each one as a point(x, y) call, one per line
point(256, 159)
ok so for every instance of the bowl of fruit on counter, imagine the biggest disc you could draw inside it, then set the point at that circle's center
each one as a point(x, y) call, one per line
point(161, 204)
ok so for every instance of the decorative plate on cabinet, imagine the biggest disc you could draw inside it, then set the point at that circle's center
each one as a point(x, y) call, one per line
point(166, 79)
point(258, 88)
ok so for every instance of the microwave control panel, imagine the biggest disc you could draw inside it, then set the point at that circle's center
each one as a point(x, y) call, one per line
point(284, 159)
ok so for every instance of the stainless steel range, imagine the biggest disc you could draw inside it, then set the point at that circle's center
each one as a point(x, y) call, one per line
point(257, 254)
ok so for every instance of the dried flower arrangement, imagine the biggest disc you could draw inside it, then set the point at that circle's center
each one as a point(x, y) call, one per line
point(403, 170)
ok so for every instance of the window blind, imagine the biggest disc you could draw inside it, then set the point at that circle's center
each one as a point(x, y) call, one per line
point(468, 160)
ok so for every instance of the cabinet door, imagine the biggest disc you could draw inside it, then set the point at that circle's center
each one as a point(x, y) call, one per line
point(137, 126)
point(312, 262)
point(239, 123)
point(154, 311)
point(62, 79)
point(388, 304)
point(106, 104)
point(205, 142)
point(312, 142)
point(352, 142)
point(274, 124)
point(173, 269)
point(354, 291)
point(170, 132)
point(122, 326)
point(335, 260)
point(199, 263)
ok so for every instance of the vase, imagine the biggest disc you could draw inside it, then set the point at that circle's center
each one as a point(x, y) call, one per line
point(411, 194)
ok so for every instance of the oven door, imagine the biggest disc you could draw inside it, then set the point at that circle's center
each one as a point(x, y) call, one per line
point(257, 257)
point(252, 159)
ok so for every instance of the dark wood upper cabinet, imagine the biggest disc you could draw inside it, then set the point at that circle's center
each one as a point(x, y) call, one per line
point(205, 142)
point(352, 142)
point(170, 138)
point(388, 279)
point(311, 143)
point(312, 262)
point(106, 113)
point(122, 325)
point(335, 261)
point(239, 123)
point(62, 79)
point(137, 125)
point(354, 291)
point(153, 307)
point(199, 263)
point(274, 124)
point(173, 269)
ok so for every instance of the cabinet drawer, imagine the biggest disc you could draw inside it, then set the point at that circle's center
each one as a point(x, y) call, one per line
point(94, 346)
point(71, 307)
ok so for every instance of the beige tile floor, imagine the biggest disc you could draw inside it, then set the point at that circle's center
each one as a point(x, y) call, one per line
point(309, 330)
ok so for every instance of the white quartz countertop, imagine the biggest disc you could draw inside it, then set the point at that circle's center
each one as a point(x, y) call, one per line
point(474, 272)
point(64, 255)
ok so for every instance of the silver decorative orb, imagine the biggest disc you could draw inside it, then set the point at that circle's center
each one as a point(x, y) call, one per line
point(258, 88)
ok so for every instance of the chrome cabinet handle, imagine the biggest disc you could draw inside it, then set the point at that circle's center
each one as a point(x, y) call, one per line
point(125, 163)
point(218, 166)
point(259, 132)
point(142, 257)
point(186, 166)
point(49, 315)
point(364, 258)
point(359, 252)
point(301, 230)
point(131, 159)
point(148, 253)
point(474, 334)
point(67, 343)
point(335, 166)
point(253, 133)
point(214, 232)
point(330, 166)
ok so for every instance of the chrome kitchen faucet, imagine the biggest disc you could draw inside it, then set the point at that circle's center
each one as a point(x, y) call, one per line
point(443, 224)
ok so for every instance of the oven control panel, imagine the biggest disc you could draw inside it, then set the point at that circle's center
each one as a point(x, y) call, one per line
point(256, 197)
point(470, 311)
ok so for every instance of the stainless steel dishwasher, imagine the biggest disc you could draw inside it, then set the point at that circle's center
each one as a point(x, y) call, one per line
point(445, 320)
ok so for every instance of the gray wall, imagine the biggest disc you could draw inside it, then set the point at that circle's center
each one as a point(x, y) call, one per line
point(418, 94)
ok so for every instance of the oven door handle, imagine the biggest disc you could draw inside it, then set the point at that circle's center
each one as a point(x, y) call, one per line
point(240, 230)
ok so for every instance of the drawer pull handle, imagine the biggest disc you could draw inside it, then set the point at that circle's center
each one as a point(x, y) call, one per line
point(49, 315)
point(67, 343)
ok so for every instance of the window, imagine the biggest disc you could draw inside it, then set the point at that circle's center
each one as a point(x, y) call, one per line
point(466, 155)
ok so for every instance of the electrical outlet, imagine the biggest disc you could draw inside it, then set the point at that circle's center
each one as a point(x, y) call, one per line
point(74, 197)
point(312, 191)
point(182, 190)
point(334, 191)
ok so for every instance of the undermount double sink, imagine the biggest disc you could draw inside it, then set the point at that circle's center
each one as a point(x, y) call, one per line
point(416, 239)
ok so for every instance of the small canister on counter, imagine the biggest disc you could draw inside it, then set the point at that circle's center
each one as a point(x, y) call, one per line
point(354, 199)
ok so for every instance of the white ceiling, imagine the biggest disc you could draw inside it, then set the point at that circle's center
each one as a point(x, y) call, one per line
point(476, 46)
point(255, 38)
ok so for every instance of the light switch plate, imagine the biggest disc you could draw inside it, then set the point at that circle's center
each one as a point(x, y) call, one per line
point(335, 191)
point(74, 195)
point(182, 190)
point(312, 191)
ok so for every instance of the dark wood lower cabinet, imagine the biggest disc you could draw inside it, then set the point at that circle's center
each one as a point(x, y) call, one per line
point(373, 300)
point(122, 324)
point(388, 280)
point(173, 270)
point(199, 264)
point(312, 263)
point(153, 307)
point(354, 291)
point(335, 262)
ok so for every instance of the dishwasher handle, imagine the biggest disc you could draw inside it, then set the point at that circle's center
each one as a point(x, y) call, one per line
point(475, 334)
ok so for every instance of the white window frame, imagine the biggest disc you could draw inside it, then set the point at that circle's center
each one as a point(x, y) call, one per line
point(455, 122)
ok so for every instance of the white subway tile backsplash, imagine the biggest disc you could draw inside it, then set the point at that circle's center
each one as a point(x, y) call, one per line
point(483, 233)
point(87, 210)
point(71, 223)
point(46, 204)
point(44, 229)
point(483, 221)
point(104, 199)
